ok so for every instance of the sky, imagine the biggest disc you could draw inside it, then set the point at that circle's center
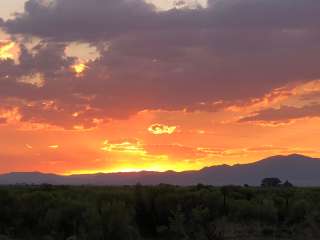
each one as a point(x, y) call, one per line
point(92, 86)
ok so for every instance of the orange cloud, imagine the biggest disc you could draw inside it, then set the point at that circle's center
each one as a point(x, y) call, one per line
point(284, 114)
point(11, 115)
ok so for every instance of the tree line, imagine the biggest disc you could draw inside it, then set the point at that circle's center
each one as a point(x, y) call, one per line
point(158, 212)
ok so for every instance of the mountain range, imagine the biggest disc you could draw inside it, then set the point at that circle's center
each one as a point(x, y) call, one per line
point(298, 169)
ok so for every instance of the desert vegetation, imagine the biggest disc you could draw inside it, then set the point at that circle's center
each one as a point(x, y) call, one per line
point(159, 212)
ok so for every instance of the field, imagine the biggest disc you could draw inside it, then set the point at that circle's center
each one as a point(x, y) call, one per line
point(160, 212)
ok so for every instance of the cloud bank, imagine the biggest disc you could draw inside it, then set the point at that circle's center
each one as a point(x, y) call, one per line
point(178, 59)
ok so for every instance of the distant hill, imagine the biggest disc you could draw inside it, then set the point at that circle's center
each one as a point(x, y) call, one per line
point(298, 169)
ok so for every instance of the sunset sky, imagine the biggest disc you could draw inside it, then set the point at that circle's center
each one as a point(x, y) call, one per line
point(127, 85)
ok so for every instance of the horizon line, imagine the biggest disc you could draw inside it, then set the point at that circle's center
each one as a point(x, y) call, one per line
point(153, 171)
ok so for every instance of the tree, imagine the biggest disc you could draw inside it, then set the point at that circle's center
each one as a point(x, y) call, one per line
point(177, 224)
point(270, 182)
point(287, 184)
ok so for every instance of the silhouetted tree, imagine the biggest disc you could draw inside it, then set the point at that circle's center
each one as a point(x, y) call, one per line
point(287, 184)
point(271, 182)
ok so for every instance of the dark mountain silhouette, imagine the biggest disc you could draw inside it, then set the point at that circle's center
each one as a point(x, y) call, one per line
point(298, 169)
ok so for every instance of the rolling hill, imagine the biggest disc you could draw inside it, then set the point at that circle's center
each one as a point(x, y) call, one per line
point(298, 169)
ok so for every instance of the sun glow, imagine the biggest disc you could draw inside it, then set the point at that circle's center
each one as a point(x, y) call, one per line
point(159, 129)
point(6, 50)
point(133, 168)
point(79, 68)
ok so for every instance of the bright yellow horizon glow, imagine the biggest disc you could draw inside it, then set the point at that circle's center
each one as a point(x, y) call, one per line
point(129, 168)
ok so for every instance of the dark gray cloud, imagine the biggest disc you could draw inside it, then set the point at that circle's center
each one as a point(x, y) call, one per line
point(195, 59)
point(284, 114)
point(96, 19)
point(80, 19)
